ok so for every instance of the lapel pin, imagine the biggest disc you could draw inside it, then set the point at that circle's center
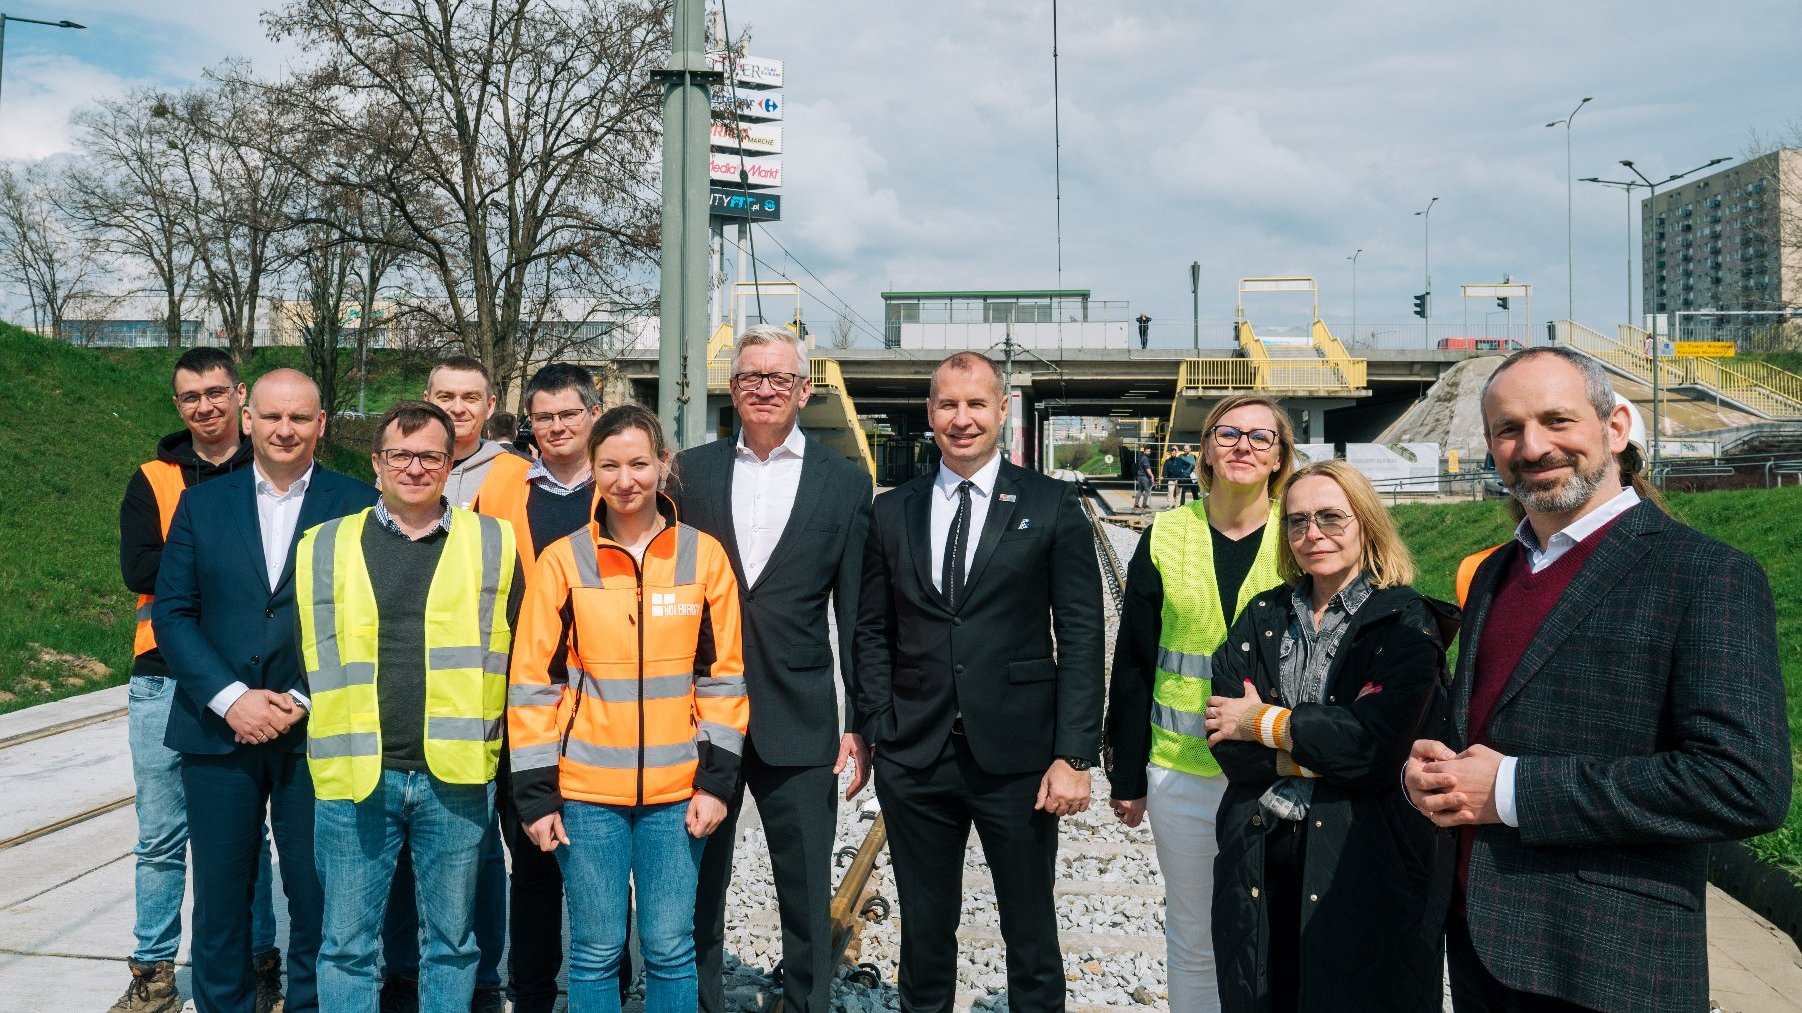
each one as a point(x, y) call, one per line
point(1006, 497)
point(1025, 522)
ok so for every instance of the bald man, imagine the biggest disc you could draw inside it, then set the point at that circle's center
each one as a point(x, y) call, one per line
point(224, 618)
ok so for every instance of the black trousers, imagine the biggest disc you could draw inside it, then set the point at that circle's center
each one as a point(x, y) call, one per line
point(929, 813)
point(226, 799)
point(1475, 990)
point(534, 911)
point(799, 809)
point(1285, 855)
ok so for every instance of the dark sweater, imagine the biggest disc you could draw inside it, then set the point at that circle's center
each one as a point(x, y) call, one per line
point(552, 516)
point(400, 573)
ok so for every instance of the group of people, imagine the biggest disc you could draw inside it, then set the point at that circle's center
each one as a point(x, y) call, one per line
point(584, 660)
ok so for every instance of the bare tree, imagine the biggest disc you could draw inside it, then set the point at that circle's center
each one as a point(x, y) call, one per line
point(129, 193)
point(515, 142)
point(39, 251)
point(841, 332)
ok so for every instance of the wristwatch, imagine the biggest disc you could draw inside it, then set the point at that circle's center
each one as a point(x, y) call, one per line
point(1076, 762)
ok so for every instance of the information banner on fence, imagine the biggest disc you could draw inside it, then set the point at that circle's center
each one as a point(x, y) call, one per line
point(1706, 349)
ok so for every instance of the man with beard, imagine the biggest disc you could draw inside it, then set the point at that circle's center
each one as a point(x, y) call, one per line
point(1618, 707)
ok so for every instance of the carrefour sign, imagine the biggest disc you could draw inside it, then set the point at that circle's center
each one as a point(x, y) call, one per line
point(735, 204)
point(751, 105)
point(750, 71)
point(758, 138)
point(761, 173)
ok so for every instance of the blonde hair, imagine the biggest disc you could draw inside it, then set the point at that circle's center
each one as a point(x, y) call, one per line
point(1386, 557)
point(1285, 439)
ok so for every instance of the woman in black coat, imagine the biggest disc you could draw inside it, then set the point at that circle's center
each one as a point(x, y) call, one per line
point(1322, 685)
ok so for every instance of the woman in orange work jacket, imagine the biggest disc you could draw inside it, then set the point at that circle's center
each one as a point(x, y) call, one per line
point(626, 717)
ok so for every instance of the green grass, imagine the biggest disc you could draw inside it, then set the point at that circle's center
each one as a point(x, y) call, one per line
point(1788, 361)
point(1760, 522)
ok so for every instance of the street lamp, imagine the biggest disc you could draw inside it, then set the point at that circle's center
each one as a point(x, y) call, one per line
point(1354, 259)
point(1570, 270)
point(4, 18)
point(1426, 220)
point(1657, 352)
point(1629, 186)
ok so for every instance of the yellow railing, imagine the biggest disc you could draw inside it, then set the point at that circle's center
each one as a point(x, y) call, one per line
point(1271, 374)
point(1248, 342)
point(1760, 386)
point(1330, 347)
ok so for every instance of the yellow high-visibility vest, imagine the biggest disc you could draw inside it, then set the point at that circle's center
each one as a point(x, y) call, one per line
point(467, 640)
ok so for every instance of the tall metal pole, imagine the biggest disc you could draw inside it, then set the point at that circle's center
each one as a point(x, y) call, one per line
point(682, 304)
point(1426, 257)
point(4, 18)
point(1195, 302)
point(1354, 259)
point(1629, 186)
point(1570, 268)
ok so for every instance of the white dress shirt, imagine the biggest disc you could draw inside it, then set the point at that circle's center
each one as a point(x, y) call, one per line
point(944, 508)
point(1506, 806)
point(763, 495)
point(277, 515)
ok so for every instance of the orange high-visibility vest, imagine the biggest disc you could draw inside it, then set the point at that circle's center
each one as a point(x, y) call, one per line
point(626, 727)
point(504, 494)
point(166, 485)
point(1467, 571)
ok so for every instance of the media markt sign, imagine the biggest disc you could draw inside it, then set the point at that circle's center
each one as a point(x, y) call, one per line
point(760, 173)
point(755, 207)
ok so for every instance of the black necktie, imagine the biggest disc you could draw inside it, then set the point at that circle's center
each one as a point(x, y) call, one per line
point(957, 544)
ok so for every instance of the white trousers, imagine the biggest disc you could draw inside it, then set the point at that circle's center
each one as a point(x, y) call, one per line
point(1182, 809)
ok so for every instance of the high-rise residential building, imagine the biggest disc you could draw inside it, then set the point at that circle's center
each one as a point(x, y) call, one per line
point(1728, 241)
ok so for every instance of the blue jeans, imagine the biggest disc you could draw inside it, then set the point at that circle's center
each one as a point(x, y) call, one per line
point(356, 845)
point(651, 846)
point(400, 933)
point(162, 848)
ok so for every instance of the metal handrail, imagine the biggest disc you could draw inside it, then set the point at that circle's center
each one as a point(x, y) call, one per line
point(1271, 374)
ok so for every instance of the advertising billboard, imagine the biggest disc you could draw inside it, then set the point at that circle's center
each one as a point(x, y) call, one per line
point(756, 138)
point(762, 173)
point(751, 105)
point(750, 71)
point(756, 207)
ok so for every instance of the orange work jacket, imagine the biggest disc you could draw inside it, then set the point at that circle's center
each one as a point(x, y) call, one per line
point(503, 494)
point(167, 485)
point(1467, 571)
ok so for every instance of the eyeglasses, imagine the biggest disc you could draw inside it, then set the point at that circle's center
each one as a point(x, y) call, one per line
point(565, 418)
point(780, 382)
point(1229, 436)
point(191, 399)
point(429, 460)
point(1330, 522)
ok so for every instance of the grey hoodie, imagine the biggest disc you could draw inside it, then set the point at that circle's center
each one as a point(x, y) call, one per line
point(466, 477)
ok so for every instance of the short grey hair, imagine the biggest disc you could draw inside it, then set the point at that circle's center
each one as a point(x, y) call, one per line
point(770, 334)
point(1596, 385)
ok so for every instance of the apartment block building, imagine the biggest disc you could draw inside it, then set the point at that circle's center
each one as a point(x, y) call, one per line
point(1728, 241)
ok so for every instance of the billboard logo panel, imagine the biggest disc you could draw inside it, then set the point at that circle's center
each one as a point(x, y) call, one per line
point(760, 138)
point(751, 71)
point(760, 172)
point(751, 105)
point(756, 207)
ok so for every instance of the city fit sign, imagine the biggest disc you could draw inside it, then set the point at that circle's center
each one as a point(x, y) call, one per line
point(755, 207)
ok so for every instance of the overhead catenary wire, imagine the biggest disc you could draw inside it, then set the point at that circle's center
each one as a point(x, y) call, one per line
point(857, 319)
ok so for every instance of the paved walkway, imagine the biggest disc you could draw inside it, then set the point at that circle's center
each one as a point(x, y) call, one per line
point(66, 897)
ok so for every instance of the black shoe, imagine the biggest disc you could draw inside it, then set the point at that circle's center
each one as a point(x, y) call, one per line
point(399, 995)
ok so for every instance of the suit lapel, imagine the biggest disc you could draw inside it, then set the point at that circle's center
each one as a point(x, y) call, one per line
point(1605, 568)
point(1002, 500)
point(250, 526)
point(807, 500)
point(919, 537)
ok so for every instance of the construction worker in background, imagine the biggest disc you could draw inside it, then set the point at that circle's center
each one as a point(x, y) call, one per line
point(209, 398)
point(406, 617)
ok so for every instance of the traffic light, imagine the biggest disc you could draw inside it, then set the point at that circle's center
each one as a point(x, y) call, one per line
point(1501, 302)
point(1420, 304)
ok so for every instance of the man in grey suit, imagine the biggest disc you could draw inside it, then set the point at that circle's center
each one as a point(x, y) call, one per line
point(1618, 707)
point(792, 515)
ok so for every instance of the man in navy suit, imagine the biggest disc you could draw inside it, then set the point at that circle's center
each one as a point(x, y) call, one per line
point(225, 620)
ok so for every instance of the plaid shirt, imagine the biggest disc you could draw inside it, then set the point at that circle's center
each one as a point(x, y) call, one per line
point(386, 520)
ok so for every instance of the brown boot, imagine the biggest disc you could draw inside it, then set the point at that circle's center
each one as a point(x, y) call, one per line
point(269, 982)
point(152, 990)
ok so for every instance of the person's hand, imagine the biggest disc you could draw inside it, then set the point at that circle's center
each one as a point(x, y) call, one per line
point(547, 832)
point(259, 716)
point(705, 814)
point(853, 750)
point(1230, 718)
point(1470, 798)
point(1128, 810)
point(1064, 790)
point(1421, 785)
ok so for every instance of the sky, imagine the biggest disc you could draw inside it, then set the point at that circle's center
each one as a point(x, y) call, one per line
point(1255, 139)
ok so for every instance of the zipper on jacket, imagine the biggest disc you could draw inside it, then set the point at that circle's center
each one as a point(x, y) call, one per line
point(640, 681)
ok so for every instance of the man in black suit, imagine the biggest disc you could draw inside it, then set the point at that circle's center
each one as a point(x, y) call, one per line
point(224, 617)
point(967, 575)
point(792, 515)
point(1618, 707)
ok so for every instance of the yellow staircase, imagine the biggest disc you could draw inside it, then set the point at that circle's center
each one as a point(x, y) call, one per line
point(1758, 386)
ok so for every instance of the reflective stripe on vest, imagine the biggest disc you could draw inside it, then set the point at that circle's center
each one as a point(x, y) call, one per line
point(1192, 628)
point(166, 485)
point(465, 681)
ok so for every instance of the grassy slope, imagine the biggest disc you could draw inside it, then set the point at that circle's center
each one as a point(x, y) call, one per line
point(1759, 521)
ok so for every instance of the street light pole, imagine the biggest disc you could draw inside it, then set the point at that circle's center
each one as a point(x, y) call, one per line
point(4, 18)
point(1657, 435)
point(1570, 269)
point(1195, 301)
point(1354, 259)
point(1629, 186)
point(1426, 221)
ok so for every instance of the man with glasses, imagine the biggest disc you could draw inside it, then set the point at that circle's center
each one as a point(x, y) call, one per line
point(555, 496)
point(792, 515)
point(434, 591)
point(209, 397)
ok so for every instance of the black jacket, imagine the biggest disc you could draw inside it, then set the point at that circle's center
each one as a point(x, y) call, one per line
point(1369, 855)
point(141, 525)
point(795, 718)
point(920, 664)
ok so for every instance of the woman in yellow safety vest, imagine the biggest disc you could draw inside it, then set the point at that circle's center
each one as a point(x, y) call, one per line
point(1189, 579)
point(627, 715)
